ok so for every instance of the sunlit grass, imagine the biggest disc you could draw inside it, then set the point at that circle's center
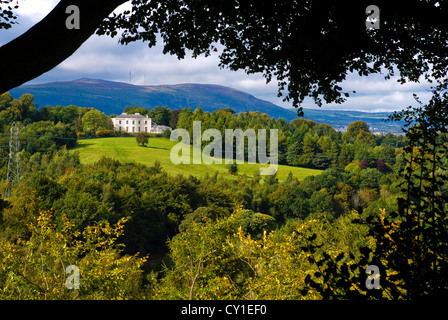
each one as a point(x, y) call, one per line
point(127, 150)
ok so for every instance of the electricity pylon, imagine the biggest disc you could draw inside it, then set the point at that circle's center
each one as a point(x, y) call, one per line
point(13, 176)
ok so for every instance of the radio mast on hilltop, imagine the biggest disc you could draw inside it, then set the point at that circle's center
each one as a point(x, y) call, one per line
point(13, 175)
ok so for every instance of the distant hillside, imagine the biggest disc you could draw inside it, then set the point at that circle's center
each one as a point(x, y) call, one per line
point(112, 97)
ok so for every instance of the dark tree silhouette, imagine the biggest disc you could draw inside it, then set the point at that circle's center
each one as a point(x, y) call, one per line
point(49, 42)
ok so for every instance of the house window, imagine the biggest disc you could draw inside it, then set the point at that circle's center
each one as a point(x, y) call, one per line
point(146, 121)
point(133, 122)
point(133, 129)
point(139, 122)
point(119, 128)
point(127, 129)
point(119, 121)
point(139, 128)
point(146, 129)
point(127, 121)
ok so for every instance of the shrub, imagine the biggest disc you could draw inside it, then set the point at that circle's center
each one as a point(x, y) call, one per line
point(233, 168)
point(104, 133)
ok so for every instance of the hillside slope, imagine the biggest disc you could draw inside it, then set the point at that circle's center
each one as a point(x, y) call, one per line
point(127, 150)
point(113, 97)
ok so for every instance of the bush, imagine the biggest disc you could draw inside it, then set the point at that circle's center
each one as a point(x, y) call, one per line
point(233, 168)
point(121, 133)
point(104, 133)
point(166, 133)
point(80, 135)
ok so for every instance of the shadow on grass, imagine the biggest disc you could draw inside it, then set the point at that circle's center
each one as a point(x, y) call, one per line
point(152, 147)
point(79, 146)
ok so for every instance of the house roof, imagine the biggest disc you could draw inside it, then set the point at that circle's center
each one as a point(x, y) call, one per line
point(131, 116)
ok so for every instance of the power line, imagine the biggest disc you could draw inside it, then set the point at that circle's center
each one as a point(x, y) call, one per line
point(13, 175)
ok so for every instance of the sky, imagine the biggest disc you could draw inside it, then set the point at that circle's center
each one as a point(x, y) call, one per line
point(104, 58)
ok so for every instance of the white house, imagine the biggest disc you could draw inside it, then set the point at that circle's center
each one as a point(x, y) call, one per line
point(132, 123)
point(137, 123)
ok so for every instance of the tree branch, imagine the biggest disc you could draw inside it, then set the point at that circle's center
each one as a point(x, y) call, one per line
point(49, 42)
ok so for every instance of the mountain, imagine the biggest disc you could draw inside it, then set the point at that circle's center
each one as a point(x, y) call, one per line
point(112, 97)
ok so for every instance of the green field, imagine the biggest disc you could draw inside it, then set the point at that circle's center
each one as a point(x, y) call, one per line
point(127, 150)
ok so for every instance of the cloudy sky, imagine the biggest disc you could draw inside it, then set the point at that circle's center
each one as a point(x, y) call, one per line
point(104, 58)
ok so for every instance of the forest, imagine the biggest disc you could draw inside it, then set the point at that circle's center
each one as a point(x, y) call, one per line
point(137, 232)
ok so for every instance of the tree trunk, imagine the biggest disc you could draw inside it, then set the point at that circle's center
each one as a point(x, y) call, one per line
point(50, 42)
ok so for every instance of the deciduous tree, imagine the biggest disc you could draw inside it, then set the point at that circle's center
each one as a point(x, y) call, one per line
point(35, 268)
point(95, 120)
point(142, 138)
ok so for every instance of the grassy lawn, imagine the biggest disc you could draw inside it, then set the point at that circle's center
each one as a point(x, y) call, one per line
point(127, 150)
